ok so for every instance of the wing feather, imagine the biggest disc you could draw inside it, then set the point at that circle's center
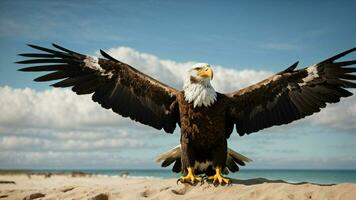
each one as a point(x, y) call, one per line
point(292, 94)
point(114, 84)
point(43, 68)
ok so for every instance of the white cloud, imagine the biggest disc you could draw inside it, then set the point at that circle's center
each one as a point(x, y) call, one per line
point(70, 160)
point(340, 116)
point(58, 108)
point(21, 143)
point(171, 72)
point(55, 124)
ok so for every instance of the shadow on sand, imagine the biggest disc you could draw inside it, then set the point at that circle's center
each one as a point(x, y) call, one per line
point(256, 181)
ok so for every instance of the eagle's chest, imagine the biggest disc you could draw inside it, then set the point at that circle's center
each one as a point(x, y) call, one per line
point(203, 123)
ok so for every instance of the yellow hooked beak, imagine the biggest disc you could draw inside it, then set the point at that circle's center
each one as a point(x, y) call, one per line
point(206, 72)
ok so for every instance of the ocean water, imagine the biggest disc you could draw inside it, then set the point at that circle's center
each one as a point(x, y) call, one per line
point(293, 176)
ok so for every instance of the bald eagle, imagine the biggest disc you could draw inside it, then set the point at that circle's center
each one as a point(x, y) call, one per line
point(205, 116)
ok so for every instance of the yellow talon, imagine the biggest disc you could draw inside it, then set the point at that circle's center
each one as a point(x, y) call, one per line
point(218, 178)
point(190, 177)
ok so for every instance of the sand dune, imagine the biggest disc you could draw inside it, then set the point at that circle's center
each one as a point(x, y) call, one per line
point(22, 186)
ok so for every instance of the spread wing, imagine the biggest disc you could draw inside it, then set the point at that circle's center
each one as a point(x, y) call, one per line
point(114, 85)
point(291, 94)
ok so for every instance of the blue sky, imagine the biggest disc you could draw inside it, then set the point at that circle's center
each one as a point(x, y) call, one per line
point(236, 35)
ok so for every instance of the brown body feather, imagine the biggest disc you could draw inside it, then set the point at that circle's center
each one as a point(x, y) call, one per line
point(203, 132)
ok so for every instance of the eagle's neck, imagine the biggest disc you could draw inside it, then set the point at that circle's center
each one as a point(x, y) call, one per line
point(200, 94)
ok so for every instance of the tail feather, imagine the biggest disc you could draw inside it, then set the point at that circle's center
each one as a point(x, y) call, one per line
point(231, 165)
point(171, 154)
point(233, 160)
point(177, 167)
point(238, 156)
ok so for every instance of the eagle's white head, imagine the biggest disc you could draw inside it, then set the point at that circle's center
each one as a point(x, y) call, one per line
point(197, 87)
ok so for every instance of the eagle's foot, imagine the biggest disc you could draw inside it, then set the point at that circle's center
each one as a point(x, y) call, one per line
point(218, 179)
point(190, 177)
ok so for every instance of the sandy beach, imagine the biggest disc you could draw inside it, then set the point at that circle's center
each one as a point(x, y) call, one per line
point(67, 186)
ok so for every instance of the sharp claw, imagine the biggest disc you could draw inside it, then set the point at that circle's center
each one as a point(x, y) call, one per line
point(219, 180)
point(191, 180)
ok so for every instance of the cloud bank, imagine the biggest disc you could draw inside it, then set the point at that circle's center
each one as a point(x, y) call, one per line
point(171, 72)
